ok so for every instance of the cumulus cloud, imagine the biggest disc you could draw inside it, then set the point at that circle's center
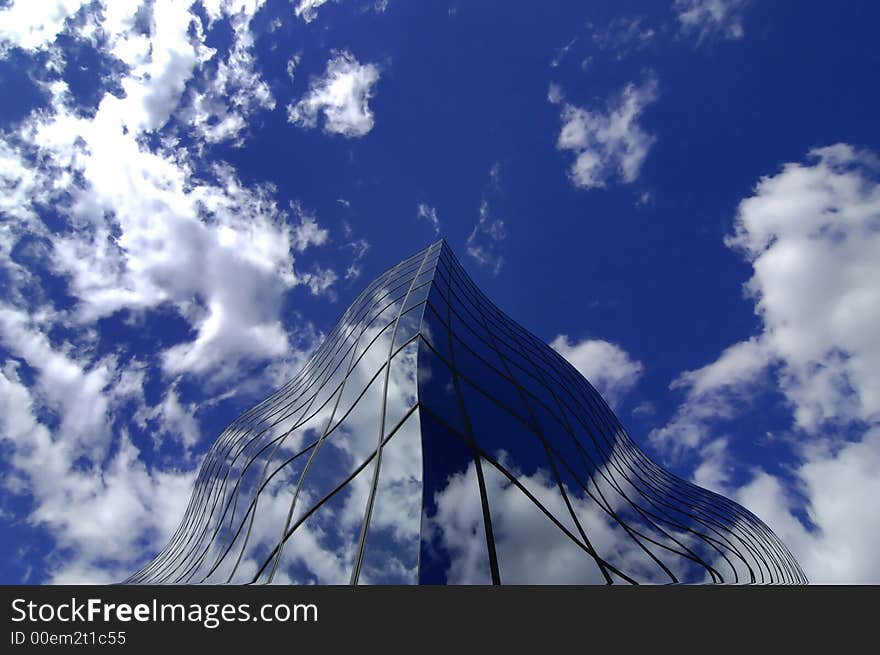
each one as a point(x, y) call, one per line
point(149, 231)
point(607, 144)
point(35, 26)
point(341, 96)
point(176, 419)
point(104, 508)
point(141, 227)
point(607, 366)
point(708, 18)
point(234, 91)
point(841, 486)
point(70, 388)
point(811, 234)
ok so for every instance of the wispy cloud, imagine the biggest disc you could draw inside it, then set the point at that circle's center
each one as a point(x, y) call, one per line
point(482, 243)
point(428, 213)
point(623, 36)
point(711, 18)
point(561, 53)
point(359, 248)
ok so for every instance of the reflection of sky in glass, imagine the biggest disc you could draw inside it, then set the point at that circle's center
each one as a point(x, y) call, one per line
point(433, 440)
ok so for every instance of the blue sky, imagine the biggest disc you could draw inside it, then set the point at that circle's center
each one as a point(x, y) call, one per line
point(681, 196)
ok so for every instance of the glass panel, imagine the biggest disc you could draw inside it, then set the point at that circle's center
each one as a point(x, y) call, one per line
point(437, 389)
point(434, 331)
point(278, 477)
point(631, 510)
point(391, 553)
point(409, 324)
point(531, 548)
point(480, 376)
point(367, 370)
point(401, 395)
point(349, 445)
point(475, 338)
point(453, 547)
point(621, 549)
point(321, 548)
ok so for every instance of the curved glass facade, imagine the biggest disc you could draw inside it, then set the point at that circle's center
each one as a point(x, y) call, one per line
point(433, 440)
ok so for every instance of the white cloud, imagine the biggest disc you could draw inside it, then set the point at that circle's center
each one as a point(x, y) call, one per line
point(483, 243)
point(143, 232)
point(644, 408)
point(714, 392)
point(106, 514)
point(483, 239)
point(607, 366)
point(72, 390)
point(292, 63)
point(645, 199)
point(34, 26)
point(841, 486)
point(160, 66)
point(230, 96)
point(624, 36)
point(811, 235)
point(308, 9)
point(19, 185)
point(320, 280)
point(307, 233)
point(176, 420)
point(609, 144)
point(707, 18)
point(150, 232)
point(359, 248)
point(342, 96)
point(713, 472)
point(429, 214)
point(555, 94)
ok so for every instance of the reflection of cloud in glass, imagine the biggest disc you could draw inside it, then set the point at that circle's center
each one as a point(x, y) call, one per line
point(458, 523)
point(433, 440)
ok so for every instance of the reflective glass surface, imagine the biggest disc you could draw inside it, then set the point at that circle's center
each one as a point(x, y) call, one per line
point(433, 440)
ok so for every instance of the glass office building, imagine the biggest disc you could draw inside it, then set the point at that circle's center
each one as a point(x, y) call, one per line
point(433, 440)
